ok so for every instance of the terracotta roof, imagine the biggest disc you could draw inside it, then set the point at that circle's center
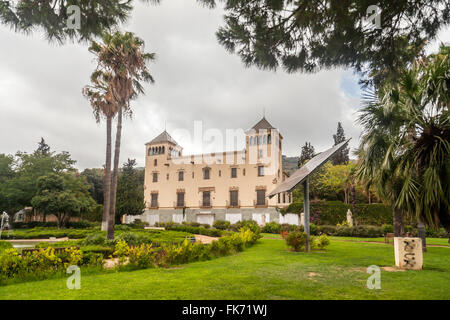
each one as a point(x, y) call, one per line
point(163, 137)
point(263, 124)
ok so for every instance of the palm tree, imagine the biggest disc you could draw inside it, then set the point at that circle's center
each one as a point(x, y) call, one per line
point(122, 56)
point(103, 105)
point(405, 147)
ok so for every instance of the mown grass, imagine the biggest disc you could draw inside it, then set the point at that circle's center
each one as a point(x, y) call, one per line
point(265, 271)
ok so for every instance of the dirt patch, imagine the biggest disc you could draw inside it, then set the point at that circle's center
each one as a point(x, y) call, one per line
point(311, 275)
point(361, 269)
point(112, 263)
point(392, 269)
point(204, 239)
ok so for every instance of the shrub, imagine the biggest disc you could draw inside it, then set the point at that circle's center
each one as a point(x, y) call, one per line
point(121, 251)
point(271, 227)
point(388, 228)
point(296, 240)
point(142, 256)
point(133, 239)
point(4, 245)
point(138, 224)
point(221, 224)
point(287, 227)
point(321, 242)
point(252, 225)
point(95, 239)
point(122, 227)
point(195, 230)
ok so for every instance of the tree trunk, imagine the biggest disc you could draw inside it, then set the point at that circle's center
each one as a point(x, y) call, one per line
point(398, 221)
point(422, 235)
point(355, 214)
point(107, 177)
point(115, 176)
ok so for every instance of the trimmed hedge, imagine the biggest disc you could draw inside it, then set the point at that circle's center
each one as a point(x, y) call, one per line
point(334, 212)
point(39, 224)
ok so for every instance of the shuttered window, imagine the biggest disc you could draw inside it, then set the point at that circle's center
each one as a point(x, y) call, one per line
point(206, 198)
point(154, 200)
point(234, 198)
point(180, 199)
point(260, 197)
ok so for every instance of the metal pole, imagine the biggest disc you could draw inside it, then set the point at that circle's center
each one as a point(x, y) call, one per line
point(306, 211)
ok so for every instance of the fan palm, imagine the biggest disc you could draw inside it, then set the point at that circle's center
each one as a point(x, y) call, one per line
point(104, 106)
point(405, 146)
point(122, 56)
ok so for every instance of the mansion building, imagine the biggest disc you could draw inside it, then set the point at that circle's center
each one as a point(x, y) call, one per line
point(230, 185)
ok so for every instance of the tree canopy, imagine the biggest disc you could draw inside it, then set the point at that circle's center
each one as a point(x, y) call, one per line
point(341, 157)
point(308, 36)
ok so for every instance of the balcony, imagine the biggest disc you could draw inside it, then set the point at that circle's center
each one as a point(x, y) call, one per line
point(178, 205)
point(233, 206)
point(257, 204)
point(154, 205)
point(205, 204)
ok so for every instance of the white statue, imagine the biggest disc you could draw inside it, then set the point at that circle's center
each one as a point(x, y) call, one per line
point(349, 218)
point(302, 219)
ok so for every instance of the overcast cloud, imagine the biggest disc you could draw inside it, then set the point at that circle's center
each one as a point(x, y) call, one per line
point(196, 79)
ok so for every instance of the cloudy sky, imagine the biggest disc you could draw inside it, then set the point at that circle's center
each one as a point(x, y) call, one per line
point(196, 80)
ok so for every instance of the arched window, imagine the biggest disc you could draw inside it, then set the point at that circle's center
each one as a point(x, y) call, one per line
point(155, 162)
point(163, 149)
point(264, 139)
point(269, 139)
point(149, 151)
point(250, 141)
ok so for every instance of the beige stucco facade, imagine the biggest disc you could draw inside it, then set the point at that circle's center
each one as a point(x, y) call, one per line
point(215, 184)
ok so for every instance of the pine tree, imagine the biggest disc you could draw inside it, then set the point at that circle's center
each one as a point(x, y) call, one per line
point(307, 154)
point(340, 157)
point(43, 148)
point(130, 191)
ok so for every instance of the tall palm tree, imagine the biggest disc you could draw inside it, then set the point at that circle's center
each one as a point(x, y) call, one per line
point(103, 105)
point(122, 56)
point(405, 147)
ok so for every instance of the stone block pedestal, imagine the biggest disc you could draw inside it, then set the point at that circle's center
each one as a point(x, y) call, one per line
point(408, 253)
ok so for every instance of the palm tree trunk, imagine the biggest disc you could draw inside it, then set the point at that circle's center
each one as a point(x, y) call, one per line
point(355, 214)
point(398, 221)
point(107, 177)
point(115, 176)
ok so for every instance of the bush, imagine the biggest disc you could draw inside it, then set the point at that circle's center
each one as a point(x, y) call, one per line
point(4, 245)
point(98, 239)
point(195, 230)
point(358, 231)
point(387, 228)
point(138, 224)
point(334, 212)
point(321, 242)
point(288, 227)
point(271, 227)
point(252, 225)
point(296, 240)
point(221, 224)
point(132, 238)
point(142, 256)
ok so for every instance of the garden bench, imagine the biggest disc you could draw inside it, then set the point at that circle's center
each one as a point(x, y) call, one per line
point(388, 236)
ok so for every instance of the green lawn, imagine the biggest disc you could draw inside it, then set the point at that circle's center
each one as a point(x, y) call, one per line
point(265, 271)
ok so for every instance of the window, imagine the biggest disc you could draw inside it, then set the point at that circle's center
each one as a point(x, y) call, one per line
point(180, 175)
point(269, 139)
point(260, 171)
point(279, 198)
point(233, 172)
point(167, 176)
point(284, 197)
point(206, 198)
point(206, 173)
point(155, 162)
point(260, 153)
point(234, 198)
point(155, 177)
point(154, 203)
point(180, 199)
point(260, 197)
point(243, 172)
point(220, 173)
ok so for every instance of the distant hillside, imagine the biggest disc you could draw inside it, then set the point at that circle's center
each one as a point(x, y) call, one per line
point(290, 164)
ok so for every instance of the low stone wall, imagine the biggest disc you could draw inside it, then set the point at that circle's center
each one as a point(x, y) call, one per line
point(260, 215)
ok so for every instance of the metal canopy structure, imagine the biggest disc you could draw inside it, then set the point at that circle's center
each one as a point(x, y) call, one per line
point(302, 176)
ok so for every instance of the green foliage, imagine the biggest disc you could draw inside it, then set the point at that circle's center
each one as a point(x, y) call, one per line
point(221, 224)
point(138, 224)
point(296, 240)
point(306, 37)
point(195, 230)
point(321, 242)
point(340, 157)
point(334, 212)
point(130, 191)
point(5, 245)
point(142, 256)
point(307, 154)
point(63, 194)
point(94, 177)
point(271, 227)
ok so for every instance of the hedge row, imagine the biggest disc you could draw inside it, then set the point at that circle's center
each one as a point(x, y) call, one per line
point(334, 212)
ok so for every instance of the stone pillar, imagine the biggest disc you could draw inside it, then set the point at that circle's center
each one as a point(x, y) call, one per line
point(408, 253)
